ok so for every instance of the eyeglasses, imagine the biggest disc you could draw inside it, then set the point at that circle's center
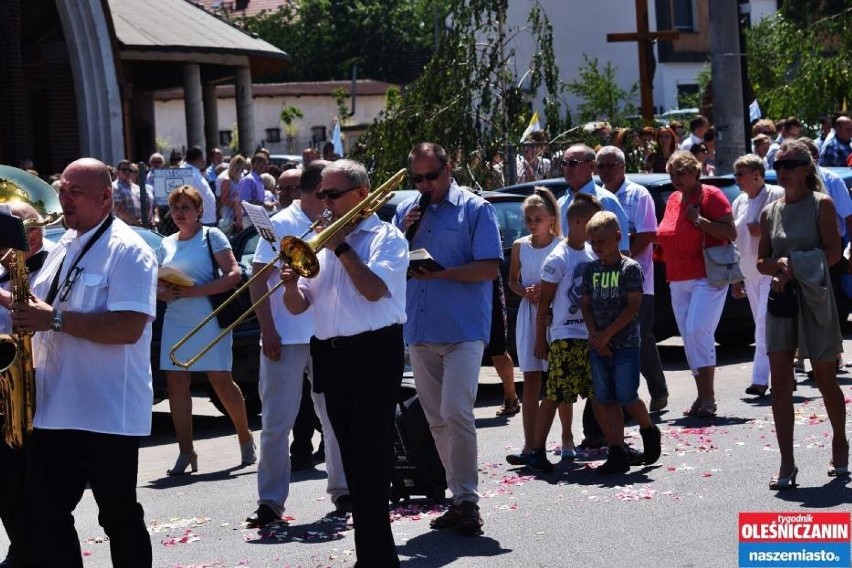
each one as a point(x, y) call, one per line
point(573, 163)
point(69, 281)
point(790, 164)
point(333, 194)
point(608, 165)
point(125, 170)
point(431, 176)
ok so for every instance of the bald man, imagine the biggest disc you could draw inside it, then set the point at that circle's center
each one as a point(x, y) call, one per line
point(288, 187)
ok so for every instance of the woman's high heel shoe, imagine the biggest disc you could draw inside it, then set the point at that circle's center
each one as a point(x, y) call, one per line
point(248, 454)
point(779, 483)
point(836, 470)
point(185, 460)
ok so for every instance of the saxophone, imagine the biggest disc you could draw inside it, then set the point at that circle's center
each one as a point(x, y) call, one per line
point(17, 374)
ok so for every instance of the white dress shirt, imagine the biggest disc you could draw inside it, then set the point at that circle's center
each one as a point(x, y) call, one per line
point(746, 210)
point(293, 329)
point(5, 316)
point(339, 309)
point(96, 387)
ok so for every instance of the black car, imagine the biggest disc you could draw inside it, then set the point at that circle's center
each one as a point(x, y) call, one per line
point(736, 327)
point(246, 337)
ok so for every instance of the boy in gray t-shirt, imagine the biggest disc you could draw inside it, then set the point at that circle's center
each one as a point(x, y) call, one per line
point(612, 295)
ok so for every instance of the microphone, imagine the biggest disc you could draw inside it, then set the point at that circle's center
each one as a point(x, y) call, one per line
point(422, 205)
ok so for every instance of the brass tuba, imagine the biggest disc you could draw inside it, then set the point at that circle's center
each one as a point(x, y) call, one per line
point(17, 373)
point(300, 255)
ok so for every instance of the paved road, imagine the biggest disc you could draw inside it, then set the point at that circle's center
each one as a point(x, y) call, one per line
point(681, 512)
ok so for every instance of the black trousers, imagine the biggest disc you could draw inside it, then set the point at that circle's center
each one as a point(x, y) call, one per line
point(12, 504)
point(360, 376)
point(60, 463)
point(306, 423)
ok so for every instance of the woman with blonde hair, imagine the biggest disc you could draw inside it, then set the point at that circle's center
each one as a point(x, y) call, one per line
point(200, 253)
point(799, 240)
point(697, 216)
point(226, 189)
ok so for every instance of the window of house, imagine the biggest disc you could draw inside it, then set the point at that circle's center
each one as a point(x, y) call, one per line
point(683, 15)
point(225, 137)
point(273, 135)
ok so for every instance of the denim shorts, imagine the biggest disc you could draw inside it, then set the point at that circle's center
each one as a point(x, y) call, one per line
point(616, 379)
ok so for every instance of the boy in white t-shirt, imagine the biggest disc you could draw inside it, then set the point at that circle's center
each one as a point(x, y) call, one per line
point(559, 314)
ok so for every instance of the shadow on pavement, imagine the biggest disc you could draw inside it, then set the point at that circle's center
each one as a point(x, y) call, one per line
point(442, 548)
point(168, 482)
point(833, 493)
point(697, 422)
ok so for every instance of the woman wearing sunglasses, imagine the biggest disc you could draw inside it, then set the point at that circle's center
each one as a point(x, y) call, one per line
point(799, 240)
point(192, 251)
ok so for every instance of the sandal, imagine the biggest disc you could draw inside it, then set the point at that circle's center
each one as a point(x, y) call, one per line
point(509, 408)
point(707, 409)
point(787, 482)
point(693, 410)
point(839, 470)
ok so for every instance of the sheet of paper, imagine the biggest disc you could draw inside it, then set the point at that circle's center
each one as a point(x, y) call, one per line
point(260, 218)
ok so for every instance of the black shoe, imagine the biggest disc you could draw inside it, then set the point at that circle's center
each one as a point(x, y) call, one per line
point(634, 456)
point(298, 462)
point(470, 521)
point(757, 390)
point(319, 456)
point(262, 517)
point(592, 444)
point(652, 447)
point(343, 505)
point(616, 462)
point(538, 462)
point(448, 520)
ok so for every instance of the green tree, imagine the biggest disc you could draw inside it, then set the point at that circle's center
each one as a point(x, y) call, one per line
point(467, 99)
point(801, 69)
point(387, 40)
point(601, 97)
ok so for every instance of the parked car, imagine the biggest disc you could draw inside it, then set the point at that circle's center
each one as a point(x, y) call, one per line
point(280, 159)
point(246, 348)
point(736, 326)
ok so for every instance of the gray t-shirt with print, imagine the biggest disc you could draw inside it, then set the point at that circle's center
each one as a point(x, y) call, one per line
point(608, 287)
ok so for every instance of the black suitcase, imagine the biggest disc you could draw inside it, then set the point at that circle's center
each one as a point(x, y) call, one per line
point(417, 468)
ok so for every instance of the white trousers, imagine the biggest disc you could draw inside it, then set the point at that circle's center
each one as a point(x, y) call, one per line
point(757, 292)
point(697, 309)
point(280, 388)
point(446, 376)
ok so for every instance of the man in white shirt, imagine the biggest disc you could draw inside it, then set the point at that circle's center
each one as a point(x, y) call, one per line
point(358, 300)
point(195, 161)
point(638, 205)
point(285, 356)
point(92, 307)
point(698, 126)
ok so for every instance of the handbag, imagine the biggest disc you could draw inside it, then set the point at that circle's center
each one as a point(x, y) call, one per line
point(239, 305)
point(721, 263)
point(783, 304)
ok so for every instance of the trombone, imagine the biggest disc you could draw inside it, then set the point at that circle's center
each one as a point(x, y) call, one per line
point(299, 255)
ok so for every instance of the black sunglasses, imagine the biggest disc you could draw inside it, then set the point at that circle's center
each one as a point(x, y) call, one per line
point(573, 163)
point(334, 193)
point(125, 170)
point(431, 176)
point(790, 164)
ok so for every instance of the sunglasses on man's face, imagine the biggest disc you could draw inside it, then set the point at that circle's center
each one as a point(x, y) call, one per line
point(790, 164)
point(573, 163)
point(430, 176)
point(125, 170)
point(333, 194)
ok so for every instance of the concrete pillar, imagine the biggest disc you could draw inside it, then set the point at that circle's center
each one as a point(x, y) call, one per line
point(211, 117)
point(245, 111)
point(193, 106)
point(728, 107)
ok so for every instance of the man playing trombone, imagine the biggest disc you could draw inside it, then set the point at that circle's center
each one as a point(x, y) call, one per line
point(358, 301)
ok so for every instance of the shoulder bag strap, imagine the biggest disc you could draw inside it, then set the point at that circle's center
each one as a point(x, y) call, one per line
point(213, 262)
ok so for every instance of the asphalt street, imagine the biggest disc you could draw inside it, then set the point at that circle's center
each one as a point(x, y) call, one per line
point(679, 512)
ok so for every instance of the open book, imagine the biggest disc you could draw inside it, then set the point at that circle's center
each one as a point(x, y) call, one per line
point(420, 258)
point(175, 276)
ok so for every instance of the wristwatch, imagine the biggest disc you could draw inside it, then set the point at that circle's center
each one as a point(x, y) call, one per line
point(57, 321)
point(342, 249)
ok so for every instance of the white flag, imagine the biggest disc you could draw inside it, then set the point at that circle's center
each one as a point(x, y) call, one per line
point(534, 126)
point(754, 111)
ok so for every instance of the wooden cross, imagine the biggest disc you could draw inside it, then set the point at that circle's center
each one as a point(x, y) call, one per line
point(645, 40)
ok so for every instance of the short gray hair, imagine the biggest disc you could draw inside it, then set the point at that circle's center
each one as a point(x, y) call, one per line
point(753, 162)
point(611, 151)
point(355, 172)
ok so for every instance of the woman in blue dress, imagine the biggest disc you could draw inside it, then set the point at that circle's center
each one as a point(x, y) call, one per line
point(189, 252)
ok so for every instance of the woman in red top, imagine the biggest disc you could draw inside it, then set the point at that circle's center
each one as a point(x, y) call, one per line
point(696, 216)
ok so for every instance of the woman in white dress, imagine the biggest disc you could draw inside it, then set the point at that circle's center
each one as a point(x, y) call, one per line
point(190, 251)
point(226, 189)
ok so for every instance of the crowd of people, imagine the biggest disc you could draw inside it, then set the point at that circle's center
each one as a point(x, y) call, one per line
point(584, 272)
